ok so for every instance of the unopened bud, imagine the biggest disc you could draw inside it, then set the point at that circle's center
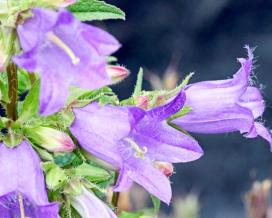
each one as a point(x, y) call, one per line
point(142, 102)
point(51, 139)
point(166, 168)
point(117, 73)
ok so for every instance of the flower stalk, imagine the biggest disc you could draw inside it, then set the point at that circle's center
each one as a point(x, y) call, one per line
point(13, 94)
point(115, 195)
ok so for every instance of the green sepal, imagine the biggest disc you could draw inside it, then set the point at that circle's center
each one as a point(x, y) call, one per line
point(92, 173)
point(139, 83)
point(55, 176)
point(156, 204)
point(87, 10)
point(14, 136)
point(44, 155)
point(185, 110)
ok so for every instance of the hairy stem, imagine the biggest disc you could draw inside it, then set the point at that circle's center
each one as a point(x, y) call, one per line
point(115, 195)
point(13, 94)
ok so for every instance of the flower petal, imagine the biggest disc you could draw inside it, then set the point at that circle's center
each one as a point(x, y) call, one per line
point(124, 182)
point(259, 129)
point(253, 100)
point(21, 173)
point(167, 144)
point(167, 110)
point(98, 130)
point(149, 177)
point(89, 206)
point(52, 97)
point(217, 120)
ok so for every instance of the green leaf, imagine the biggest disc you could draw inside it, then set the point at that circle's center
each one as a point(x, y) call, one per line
point(87, 10)
point(92, 173)
point(24, 82)
point(156, 204)
point(125, 214)
point(30, 106)
point(4, 91)
point(139, 83)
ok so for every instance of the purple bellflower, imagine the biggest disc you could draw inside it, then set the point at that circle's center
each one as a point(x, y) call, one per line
point(65, 52)
point(22, 187)
point(226, 105)
point(133, 140)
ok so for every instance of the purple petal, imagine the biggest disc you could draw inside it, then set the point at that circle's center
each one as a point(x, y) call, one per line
point(253, 100)
point(167, 110)
point(167, 144)
point(98, 130)
point(103, 42)
point(124, 182)
point(149, 177)
point(52, 97)
point(32, 32)
point(217, 120)
point(259, 129)
point(21, 173)
point(88, 206)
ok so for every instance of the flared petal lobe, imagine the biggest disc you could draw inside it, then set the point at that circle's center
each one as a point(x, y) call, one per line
point(23, 181)
point(65, 52)
point(224, 105)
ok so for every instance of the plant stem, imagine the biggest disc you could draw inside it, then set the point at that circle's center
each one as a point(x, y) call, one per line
point(115, 195)
point(13, 94)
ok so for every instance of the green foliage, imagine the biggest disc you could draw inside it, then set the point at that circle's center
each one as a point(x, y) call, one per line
point(139, 83)
point(92, 173)
point(30, 106)
point(125, 214)
point(55, 176)
point(87, 10)
point(81, 97)
point(156, 204)
point(64, 159)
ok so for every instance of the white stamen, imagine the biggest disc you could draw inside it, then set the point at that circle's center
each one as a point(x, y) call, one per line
point(54, 38)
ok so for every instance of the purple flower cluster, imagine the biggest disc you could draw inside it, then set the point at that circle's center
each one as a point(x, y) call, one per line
point(66, 53)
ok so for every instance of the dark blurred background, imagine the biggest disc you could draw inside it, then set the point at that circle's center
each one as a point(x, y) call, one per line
point(207, 36)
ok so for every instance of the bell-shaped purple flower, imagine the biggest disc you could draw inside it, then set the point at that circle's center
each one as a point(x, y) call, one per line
point(133, 140)
point(226, 105)
point(65, 52)
point(22, 187)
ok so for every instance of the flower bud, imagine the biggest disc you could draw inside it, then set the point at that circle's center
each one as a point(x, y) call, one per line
point(117, 73)
point(51, 139)
point(166, 168)
point(142, 102)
